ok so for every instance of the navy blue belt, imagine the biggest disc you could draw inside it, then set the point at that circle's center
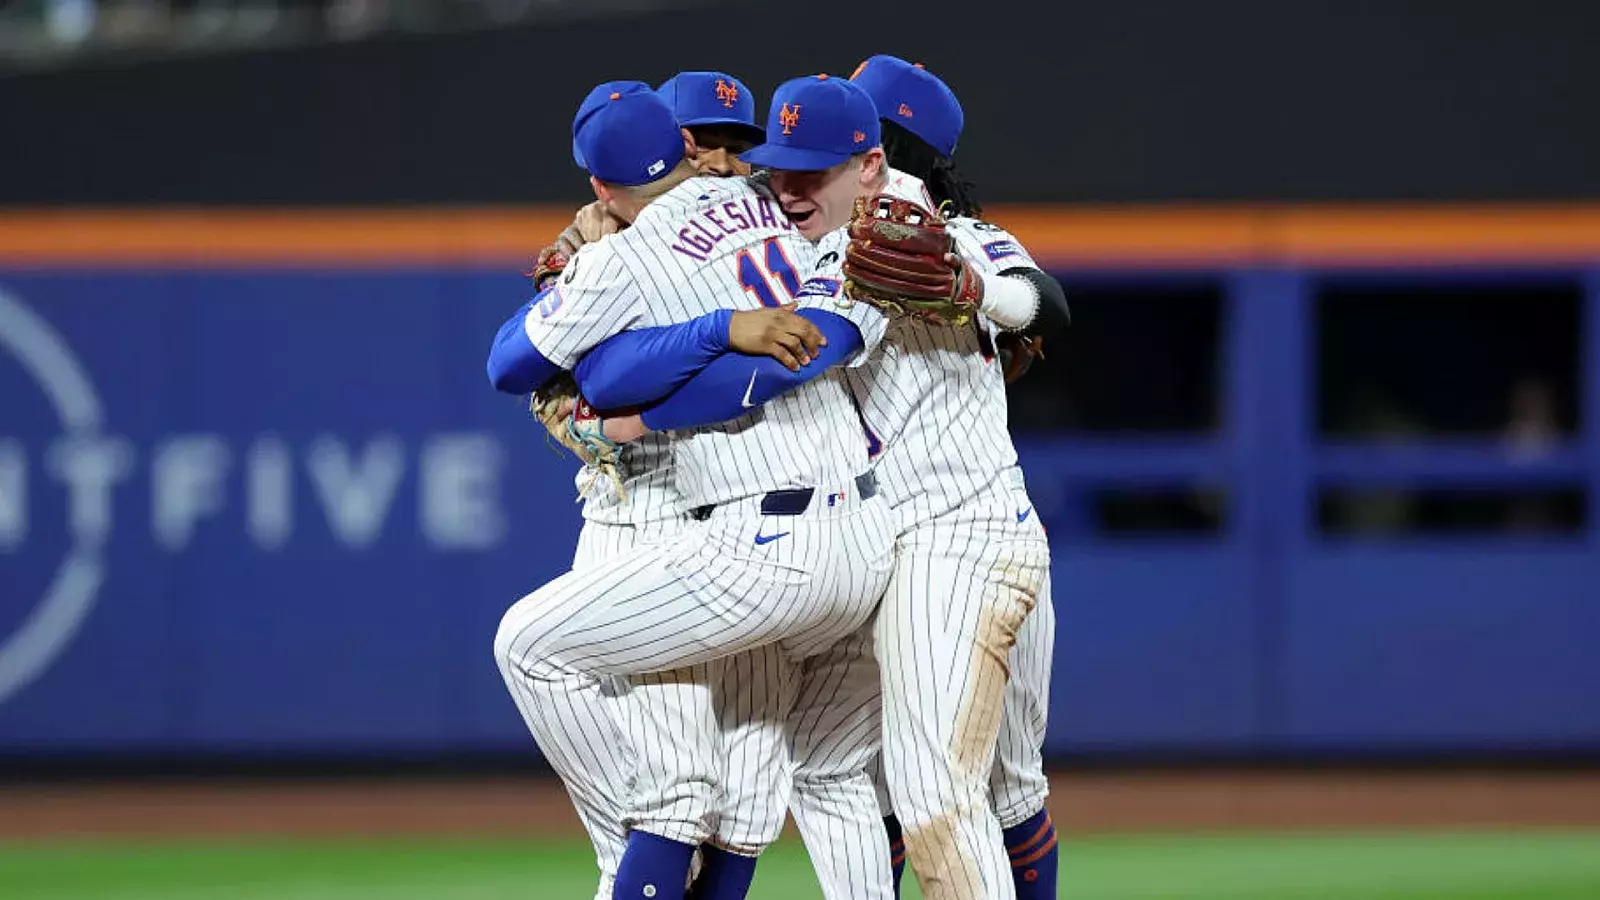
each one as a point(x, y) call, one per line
point(794, 501)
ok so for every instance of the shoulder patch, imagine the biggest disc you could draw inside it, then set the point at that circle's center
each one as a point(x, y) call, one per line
point(998, 250)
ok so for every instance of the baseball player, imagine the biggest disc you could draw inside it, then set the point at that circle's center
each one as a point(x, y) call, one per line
point(786, 542)
point(971, 563)
point(717, 117)
point(922, 122)
point(717, 114)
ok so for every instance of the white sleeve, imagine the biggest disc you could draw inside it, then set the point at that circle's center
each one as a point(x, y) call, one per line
point(824, 290)
point(988, 248)
point(594, 298)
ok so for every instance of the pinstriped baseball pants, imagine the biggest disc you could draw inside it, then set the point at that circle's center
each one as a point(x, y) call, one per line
point(944, 568)
point(584, 742)
point(801, 738)
point(708, 592)
point(964, 584)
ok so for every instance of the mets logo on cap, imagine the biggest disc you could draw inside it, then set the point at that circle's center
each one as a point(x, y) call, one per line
point(727, 93)
point(789, 117)
point(815, 123)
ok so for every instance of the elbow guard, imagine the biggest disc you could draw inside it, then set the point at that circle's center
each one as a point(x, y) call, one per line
point(1053, 315)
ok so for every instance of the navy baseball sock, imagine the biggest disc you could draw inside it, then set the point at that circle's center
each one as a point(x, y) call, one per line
point(897, 850)
point(723, 875)
point(1032, 846)
point(653, 868)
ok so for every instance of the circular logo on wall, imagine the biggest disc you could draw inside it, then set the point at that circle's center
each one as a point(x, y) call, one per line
point(53, 620)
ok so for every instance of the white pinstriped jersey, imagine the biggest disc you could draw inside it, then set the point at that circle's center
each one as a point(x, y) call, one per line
point(933, 397)
point(558, 333)
point(646, 466)
point(709, 244)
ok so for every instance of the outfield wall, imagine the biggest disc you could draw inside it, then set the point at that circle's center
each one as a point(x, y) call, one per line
point(257, 498)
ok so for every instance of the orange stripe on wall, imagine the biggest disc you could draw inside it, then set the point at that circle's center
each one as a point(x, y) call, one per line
point(234, 237)
point(1466, 234)
point(1121, 236)
point(1154, 235)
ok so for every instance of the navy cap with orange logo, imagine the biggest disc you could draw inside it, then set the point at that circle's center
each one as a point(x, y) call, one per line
point(625, 134)
point(710, 98)
point(815, 123)
point(914, 98)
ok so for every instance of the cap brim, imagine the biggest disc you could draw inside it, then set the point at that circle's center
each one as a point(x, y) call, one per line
point(755, 131)
point(793, 159)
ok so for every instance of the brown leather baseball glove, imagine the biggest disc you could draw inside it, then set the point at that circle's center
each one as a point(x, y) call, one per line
point(576, 426)
point(901, 260)
point(1017, 352)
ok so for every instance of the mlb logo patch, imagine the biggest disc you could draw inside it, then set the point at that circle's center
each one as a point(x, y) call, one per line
point(656, 167)
point(821, 287)
point(1001, 249)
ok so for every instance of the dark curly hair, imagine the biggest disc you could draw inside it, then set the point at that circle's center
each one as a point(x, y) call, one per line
point(914, 156)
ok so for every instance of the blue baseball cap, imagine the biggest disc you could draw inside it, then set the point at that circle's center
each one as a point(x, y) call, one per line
point(914, 98)
point(815, 123)
point(710, 98)
point(625, 134)
point(597, 98)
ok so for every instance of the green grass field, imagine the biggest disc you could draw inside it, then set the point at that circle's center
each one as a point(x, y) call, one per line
point(1523, 866)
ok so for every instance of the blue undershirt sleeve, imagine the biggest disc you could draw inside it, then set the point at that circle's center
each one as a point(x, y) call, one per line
point(515, 365)
point(734, 383)
point(646, 364)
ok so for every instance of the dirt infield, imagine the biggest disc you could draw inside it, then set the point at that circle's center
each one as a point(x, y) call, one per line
point(1082, 803)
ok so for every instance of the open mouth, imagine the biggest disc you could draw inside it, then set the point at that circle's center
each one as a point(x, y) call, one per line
point(800, 216)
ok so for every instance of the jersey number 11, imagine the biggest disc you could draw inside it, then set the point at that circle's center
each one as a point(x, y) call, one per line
point(758, 279)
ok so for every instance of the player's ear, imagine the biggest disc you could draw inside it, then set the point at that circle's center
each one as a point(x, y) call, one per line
point(602, 191)
point(690, 148)
point(872, 164)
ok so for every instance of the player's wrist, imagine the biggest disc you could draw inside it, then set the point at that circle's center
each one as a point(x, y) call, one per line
point(624, 429)
point(1009, 302)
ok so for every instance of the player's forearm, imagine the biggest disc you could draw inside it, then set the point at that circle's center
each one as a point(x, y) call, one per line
point(645, 365)
point(734, 383)
point(515, 365)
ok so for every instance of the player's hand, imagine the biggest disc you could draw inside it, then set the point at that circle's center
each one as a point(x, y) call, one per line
point(575, 425)
point(592, 223)
point(563, 407)
point(778, 332)
point(625, 428)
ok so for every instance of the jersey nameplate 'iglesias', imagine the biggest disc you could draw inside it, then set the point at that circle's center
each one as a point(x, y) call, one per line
point(710, 244)
point(933, 397)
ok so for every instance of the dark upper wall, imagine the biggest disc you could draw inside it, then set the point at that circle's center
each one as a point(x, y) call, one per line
point(1096, 101)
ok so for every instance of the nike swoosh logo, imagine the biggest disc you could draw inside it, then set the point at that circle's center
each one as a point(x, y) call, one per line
point(748, 388)
point(1024, 514)
point(769, 538)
